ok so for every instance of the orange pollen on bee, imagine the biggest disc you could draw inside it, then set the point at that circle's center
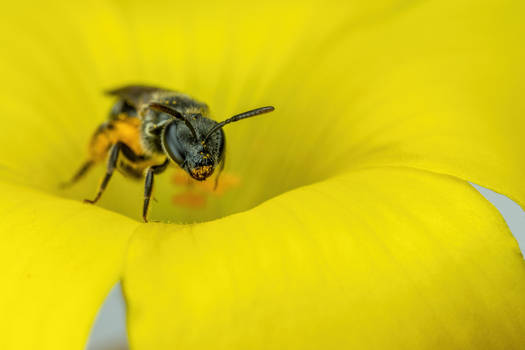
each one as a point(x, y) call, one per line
point(201, 171)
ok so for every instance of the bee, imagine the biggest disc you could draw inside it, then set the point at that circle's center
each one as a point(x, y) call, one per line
point(150, 127)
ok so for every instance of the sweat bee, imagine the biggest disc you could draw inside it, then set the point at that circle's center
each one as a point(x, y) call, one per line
point(149, 127)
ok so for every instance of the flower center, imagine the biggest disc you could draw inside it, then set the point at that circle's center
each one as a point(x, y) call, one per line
point(192, 194)
point(265, 157)
point(245, 182)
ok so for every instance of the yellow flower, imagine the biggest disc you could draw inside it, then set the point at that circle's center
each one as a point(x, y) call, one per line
point(352, 224)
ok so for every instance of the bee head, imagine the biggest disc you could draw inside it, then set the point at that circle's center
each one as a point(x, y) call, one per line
point(197, 143)
point(188, 149)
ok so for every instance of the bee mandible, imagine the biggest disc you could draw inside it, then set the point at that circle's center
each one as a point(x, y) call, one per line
point(150, 127)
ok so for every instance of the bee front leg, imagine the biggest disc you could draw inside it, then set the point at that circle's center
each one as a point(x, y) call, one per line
point(148, 185)
point(221, 168)
point(112, 163)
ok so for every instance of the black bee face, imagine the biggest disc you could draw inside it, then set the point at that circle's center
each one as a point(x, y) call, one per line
point(196, 157)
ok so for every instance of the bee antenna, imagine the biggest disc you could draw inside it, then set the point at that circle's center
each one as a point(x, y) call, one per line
point(159, 107)
point(238, 117)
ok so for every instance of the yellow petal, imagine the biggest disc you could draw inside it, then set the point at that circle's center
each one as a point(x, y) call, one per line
point(446, 96)
point(58, 259)
point(374, 259)
point(434, 85)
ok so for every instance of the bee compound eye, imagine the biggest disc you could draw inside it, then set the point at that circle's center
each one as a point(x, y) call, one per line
point(171, 144)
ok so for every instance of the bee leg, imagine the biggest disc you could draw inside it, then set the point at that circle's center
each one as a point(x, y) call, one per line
point(221, 168)
point(148, 185)
point(112, 163)
point(78, 175)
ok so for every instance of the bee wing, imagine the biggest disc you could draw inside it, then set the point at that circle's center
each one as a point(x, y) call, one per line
point(141, 96)
point(136, 95)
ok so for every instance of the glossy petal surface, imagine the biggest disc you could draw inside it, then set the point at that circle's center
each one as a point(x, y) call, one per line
point(58, 259)
point(376, 259)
